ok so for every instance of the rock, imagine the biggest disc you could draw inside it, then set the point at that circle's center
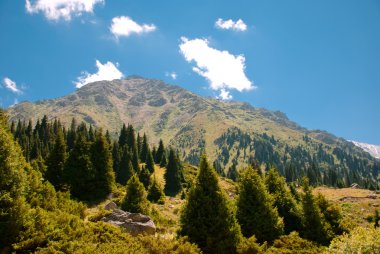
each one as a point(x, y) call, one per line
point(372, 196)
point(134, 223)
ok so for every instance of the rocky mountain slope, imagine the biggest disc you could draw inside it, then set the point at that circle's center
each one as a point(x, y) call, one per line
point(232, 133)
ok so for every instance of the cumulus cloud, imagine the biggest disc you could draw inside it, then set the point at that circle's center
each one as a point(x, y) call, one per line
point(172, 74)
point(125, 26)
point(11, 85)
point(107, 71)
point(223, 70)
point(61, 9)
point(224, 95)
point(229, 24)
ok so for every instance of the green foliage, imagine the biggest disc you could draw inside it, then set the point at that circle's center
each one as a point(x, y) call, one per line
point(135, 200)
point(249, 246)
point(160, 152)
point(359, 240)
point(156, 193)
point(293, 244)
point(255, 211)
point(144, 177)
point(56, 162)
point(125, 167)
point(207, 218)
point(13, 185)
point(173, 175)
point(144, 149)
point(149, 161)
point(286, 205)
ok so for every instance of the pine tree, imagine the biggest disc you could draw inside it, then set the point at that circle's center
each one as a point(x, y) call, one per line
point(233, 173)
point(163, 162)
point(313, 228)
point(13, 208)
point(144, 149)
point(156, 193)
point(173, 175)
point(123, 136)
point(144, 177)
point(207, 218)
point(56, 162)
point(131, 139)
point(135, 201)
point(104, 178)
point(149, 161)
point(135, 160)
point(126, 168)
point(116, 158)
point(160, 152)
point(255, 211)
point(287, 206)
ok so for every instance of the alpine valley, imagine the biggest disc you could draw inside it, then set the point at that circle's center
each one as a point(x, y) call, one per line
point(233, 134)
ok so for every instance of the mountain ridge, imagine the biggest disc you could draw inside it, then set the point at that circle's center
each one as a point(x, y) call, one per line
point(231, 132)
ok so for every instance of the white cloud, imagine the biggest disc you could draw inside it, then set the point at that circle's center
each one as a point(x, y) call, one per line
point(107, 71)
point(172, 74)
point(238, 25)
point(125, 26)
point(225, 95)
point(61, 9)
point(223, 70)
point(11, 85)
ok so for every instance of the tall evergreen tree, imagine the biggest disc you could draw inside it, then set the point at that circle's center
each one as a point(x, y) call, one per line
point(156, 193)
point(255, 211)
point(207, 217)
point(131, 139)
point(163, 162)
point(123, 136)
point(102, 161)
point(173, 175)
point(144, 177)
point(126, 169)
point(160, 152)
point(149, 161)
point(135, 200)
point(287, 206)
point(56, 161)
point(116, 158)
point(13, 208)
point(144, 149)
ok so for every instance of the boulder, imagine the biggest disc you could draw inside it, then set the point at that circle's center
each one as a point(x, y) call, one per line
point(134, 223)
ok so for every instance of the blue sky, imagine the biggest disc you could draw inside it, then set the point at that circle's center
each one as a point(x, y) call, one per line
point(317, 61)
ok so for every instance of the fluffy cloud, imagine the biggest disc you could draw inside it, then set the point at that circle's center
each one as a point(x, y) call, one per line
point(125, 26)
point(11, 85)
point(223, 70)
point(238, 25)
point(107, 71)
point(61, 9)
point(224, 95)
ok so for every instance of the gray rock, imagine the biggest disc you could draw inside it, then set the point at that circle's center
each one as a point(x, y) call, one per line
point(134, 223)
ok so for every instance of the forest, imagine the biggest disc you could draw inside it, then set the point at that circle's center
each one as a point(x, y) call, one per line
point(51, 176)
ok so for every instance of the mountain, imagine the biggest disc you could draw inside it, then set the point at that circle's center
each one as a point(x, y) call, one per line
point(232, 133)
point(371, 149)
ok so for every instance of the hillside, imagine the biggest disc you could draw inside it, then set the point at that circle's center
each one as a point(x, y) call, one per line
point(371, 149)
point(232, 133)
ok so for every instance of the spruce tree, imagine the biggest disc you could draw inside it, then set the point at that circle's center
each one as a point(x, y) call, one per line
point(56, 162)
point(13, 208)
point(144, 149)
point(207, 218)
point(160, 152)
point(123, 136)
point(287, 206)
point(173, 175)
point(125, 168)
point(163, 162)
point(255, 211)
point(116, 158)
point(102, 161)
point(144, 177)
point(156, 193)
point(149, 161)
point(135, 200)
point(131, 139)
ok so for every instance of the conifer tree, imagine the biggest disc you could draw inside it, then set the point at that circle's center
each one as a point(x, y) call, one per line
point(207, 218)
point(144, 149)
point(131, 139)
point(255, 211)
point(13, 208)
point(123, 136)
point(156, 193)
point(126, 168)
point(135, 160)
point(313, 228)
point(102, 161)
point(149, 161)
point(160, 152)
point(173, 175)
point(116, 158)
point(135, 200)
point(163, 162)
point(233, 173)
point(287, 206)
point(144, 177)
point(56, 162)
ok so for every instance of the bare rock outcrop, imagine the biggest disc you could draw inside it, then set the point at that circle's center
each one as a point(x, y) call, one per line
point(134, 223)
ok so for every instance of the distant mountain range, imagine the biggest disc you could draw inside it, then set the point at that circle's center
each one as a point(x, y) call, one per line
point(373, 150)
point(232, 133)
